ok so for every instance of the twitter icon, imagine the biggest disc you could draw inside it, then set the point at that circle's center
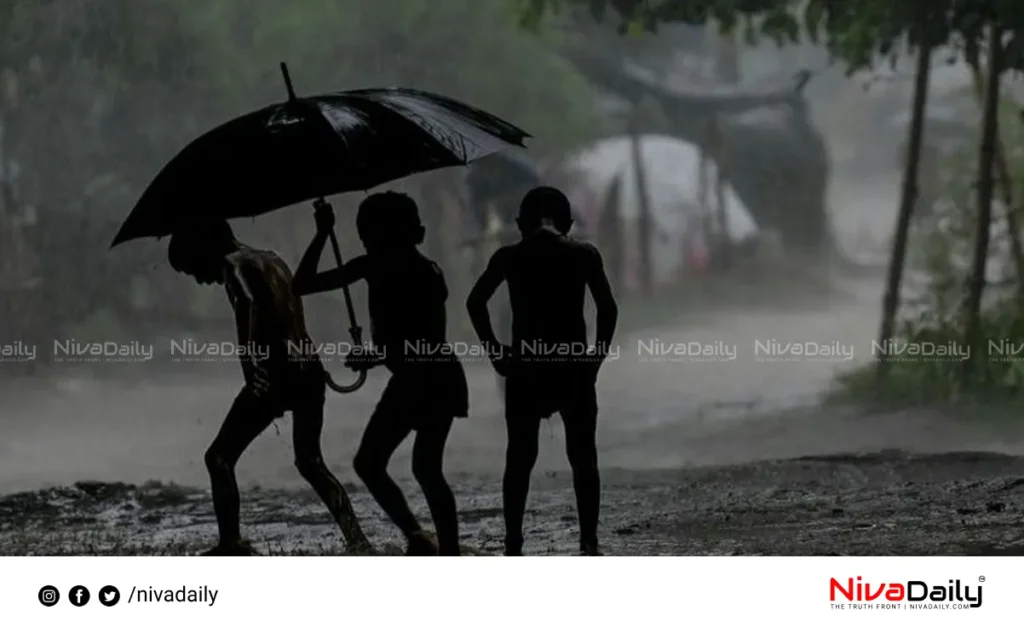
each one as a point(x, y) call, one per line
point(109, 596)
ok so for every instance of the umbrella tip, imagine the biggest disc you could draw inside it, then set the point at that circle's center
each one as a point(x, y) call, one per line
point(288, 81)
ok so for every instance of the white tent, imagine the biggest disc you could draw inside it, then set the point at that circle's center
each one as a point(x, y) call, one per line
point(672, 170)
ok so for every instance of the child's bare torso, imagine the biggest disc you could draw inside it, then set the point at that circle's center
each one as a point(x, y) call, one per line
point(262, 280)
point(407, 295)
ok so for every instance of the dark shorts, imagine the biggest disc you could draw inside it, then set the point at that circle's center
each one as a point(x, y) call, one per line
point(543, 392)
point(295, 386)
point(422, 393)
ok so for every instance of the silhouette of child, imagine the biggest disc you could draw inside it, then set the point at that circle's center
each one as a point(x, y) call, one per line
point(549, 367)
point(281, 374)
point(427, 389)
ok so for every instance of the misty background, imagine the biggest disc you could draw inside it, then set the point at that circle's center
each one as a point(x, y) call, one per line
point(791, 245)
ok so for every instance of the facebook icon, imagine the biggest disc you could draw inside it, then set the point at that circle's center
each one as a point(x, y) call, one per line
point(79, 596)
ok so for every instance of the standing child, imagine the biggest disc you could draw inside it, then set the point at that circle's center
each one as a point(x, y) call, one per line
point(549, 367)
point(427, 389)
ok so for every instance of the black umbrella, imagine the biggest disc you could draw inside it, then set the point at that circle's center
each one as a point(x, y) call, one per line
point(312, 147)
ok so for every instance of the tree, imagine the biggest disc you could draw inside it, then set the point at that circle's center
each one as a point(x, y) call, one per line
point(469, 49)
point(84, 80)
point(908, 198)
point(986, 186)
point(645, 228)
point(1010, 204)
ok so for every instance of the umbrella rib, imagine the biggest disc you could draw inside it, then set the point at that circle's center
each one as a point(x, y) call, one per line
point(409, 122)
point(423, 123)
point(485, 121)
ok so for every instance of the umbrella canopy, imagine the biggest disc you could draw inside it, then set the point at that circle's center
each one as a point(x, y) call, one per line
point(308, 148)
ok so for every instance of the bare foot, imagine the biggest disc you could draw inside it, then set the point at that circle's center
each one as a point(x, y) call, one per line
point(363, 548)
point(238, 548)
point(422, 544)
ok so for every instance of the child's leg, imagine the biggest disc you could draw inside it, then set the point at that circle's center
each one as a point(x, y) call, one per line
point(581, 449)
point(428, 468)
point(520, 458)
point(382, 437)
point(307, 426)
point(249, 416)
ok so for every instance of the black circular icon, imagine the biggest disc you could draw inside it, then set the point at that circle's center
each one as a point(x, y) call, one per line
point(79, 596)
point(109, 596)
point(49, 596)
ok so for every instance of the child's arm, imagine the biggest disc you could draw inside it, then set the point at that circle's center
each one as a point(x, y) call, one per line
point(307, 279)
point(481, 294)
point(604, 300)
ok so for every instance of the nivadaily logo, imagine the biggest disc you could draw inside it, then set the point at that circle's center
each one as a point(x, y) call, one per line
point(912, 594)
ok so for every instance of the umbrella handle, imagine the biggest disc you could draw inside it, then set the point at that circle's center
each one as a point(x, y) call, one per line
point(354, 330)
point(360, 379)
point(336, 388)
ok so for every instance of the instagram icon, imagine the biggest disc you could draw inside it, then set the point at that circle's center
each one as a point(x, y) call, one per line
point(49, 596)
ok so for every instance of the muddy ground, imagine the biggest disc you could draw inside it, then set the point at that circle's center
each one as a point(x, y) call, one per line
point(888, 503)
point(700, 456)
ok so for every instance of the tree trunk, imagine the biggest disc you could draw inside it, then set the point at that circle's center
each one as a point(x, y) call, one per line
point(891, 301)
point(644, 225)
point(986, 185)
point(610, 233)
point(1005, 186)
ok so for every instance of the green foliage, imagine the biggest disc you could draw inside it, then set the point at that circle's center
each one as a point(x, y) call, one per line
point(221, 58)
point(918, 380)
point(465, 48)
point(941, 250)
point(859, 32)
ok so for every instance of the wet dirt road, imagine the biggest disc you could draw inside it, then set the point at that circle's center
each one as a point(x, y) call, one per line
point(678, 438)
point(889, 503)
point(93, 425)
